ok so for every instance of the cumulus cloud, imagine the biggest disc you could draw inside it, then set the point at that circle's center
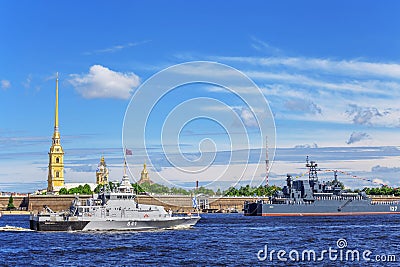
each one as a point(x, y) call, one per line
point(357, 137)
point(314, 145)
point(363, 115)
point(102, 82)
point(5, 84)
point(372, 116)
point(304, 106)
point(247, 117)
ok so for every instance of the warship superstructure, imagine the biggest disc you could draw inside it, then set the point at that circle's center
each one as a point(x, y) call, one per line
point(113, 209)
point(315, 198)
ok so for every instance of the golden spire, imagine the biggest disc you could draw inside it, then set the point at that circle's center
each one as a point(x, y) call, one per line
point(56, 113)
point(55, 177)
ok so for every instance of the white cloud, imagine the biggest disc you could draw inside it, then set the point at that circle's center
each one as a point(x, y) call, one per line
point(343, 67)
point(321, 83)
point(372, 116)
point(264, 46)
point(303, 106)
point(247, 117)
point(27, 83)
point(5, 84)
point(102, 82)
point(314, 145)
point(379, 168)
point(115, 48)
point(357, 137)
point(301, 88)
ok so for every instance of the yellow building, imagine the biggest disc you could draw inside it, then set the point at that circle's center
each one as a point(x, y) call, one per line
point(144, 176)
point(55, 177)
point(102, 172)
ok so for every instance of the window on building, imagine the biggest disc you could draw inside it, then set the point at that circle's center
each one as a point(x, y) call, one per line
point(57, 160)
point(57, 174)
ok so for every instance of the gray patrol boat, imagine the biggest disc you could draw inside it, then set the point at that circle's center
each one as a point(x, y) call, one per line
point(314, 198)
point(113, 210)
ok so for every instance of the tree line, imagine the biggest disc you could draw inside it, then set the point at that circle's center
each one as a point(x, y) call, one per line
point(246, 190)
point(162, 189)
point(384, 190)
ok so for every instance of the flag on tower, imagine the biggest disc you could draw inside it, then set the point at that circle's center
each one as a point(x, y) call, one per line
point(128, 152)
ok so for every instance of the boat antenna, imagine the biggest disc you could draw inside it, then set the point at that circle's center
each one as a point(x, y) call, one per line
point(266, 162)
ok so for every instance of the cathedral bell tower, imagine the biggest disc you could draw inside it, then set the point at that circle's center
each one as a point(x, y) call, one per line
point(102, 172)
point(55, 177)
point(144, 176)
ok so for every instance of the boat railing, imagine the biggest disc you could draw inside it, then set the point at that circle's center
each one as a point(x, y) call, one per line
point(396, 202)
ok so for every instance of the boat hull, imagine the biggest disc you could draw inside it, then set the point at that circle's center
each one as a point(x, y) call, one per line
point(321, 208)
point(112, 225)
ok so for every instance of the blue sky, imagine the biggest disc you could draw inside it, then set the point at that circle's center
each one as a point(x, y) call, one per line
point(329, 70)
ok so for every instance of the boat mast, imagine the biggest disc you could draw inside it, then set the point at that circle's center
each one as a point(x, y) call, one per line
point(124, 167)
point(266, 162)
point(312, 174)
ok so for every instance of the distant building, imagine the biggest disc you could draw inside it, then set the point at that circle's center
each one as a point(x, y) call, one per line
point(144, 176)
point(102, 172)
point(55, 177)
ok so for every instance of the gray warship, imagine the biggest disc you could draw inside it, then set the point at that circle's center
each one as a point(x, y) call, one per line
point(315, 198)
point(113, 210)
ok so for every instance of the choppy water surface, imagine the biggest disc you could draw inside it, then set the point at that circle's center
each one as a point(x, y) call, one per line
point(217, 240)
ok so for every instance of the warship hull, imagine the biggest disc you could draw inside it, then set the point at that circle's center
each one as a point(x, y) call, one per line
point(321, 208)
point(60, 224)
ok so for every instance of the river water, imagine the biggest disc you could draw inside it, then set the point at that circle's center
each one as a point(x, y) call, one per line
point(217, 240)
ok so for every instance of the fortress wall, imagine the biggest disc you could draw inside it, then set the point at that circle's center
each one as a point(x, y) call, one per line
point(229, 203)
point(18, 202)
point(175, 203)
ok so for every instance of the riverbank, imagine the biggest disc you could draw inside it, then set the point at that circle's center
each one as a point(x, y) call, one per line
point(176, 203)
point(14, 212)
